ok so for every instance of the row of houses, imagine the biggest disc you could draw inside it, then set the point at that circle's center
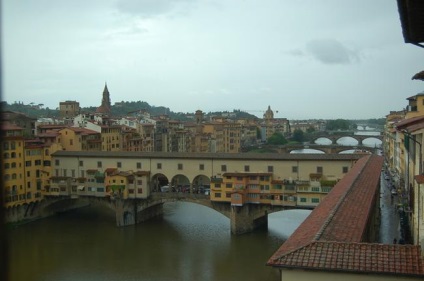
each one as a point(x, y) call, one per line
point(404, 136)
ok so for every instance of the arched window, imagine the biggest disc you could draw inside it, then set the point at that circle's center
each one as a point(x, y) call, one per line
point(13, 155)
point(6, 165)
point(13, 165)
point(6, 155)
point(13, 176)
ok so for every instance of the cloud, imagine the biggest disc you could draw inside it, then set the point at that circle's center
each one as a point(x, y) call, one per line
point(126, 31)
point(330, 51)
point(149, 8)
point(296, 53)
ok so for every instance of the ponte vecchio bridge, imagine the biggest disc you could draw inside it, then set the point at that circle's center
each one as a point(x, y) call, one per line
point(244, 187)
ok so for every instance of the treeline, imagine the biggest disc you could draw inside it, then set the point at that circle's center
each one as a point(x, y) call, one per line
point(123, 108)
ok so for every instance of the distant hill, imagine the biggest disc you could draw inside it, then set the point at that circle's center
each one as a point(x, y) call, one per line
point(123, 108)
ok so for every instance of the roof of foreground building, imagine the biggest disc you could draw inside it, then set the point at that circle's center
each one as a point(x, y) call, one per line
point(332, 236)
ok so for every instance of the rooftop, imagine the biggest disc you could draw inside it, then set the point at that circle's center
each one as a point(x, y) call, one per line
point(332, 237)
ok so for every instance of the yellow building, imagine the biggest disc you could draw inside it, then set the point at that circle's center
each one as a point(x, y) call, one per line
point(15, 192)
point(415, 106)
point(111, 138)
point(79, 139)
point(260, 188)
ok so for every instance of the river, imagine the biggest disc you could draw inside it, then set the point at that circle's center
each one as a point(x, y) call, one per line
point(189, 242)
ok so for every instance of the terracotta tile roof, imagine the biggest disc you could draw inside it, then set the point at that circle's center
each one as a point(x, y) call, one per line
point(410, 121)
point(419, 179)
point(354, 257)
point(415, 127)
point(110, 170)
point(6, 126)
point(331, 237)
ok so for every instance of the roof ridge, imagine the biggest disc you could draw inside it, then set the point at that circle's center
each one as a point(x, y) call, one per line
point(340, 202)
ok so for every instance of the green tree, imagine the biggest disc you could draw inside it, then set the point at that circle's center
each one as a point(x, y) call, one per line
point(298, 136)
point(276, 139)
point(310, 130)
point(338, 124)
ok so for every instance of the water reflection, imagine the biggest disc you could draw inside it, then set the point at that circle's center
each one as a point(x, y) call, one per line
point(190, 242)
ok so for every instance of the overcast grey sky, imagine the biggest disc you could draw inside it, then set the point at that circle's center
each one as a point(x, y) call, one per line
point(307, 59)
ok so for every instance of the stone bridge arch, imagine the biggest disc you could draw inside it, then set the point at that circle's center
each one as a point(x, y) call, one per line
point(335, 138)
point(157, 180)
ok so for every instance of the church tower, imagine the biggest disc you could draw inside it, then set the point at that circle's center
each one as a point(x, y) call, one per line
point(105, 107)
point(269, 114)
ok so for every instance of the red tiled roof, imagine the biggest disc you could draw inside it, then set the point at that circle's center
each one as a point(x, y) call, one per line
point(354, 257)
point(410, 121)
point(110, 170)
point(415, 127)
point(6, 126)
point(419, 179)
point(331, 237)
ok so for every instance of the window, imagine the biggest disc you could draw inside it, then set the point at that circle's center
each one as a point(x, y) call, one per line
point(294, 169)
point(65, 172)
point(303, 200)
point(315, 200)
point(81, 163)
point(315, 189)
point(57, 162)
point(159, 166)
point(223, 168)
point(73, 173)
point(138, 165)
point(319, 170)
point(246, 168)
point(71, 142)
point(270, 169)
point(37, 162)
point(119, 164)
point(345, 170)
point(201, 167)
point(139, 182)
point(27, 163)
point(218, 195)
point(99, 164)
point(28, 174)
point(326, 189)
point(180, 166)
point(228, 185)
point(217, 185)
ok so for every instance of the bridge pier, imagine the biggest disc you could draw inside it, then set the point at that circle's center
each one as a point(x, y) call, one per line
point(247, 218)
point(130, 212)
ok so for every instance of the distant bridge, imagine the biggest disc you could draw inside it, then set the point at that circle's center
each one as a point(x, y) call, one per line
point(358, 138)
point(328, 149)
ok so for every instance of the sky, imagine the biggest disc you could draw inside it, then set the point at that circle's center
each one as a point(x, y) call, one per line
point(306, 59)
